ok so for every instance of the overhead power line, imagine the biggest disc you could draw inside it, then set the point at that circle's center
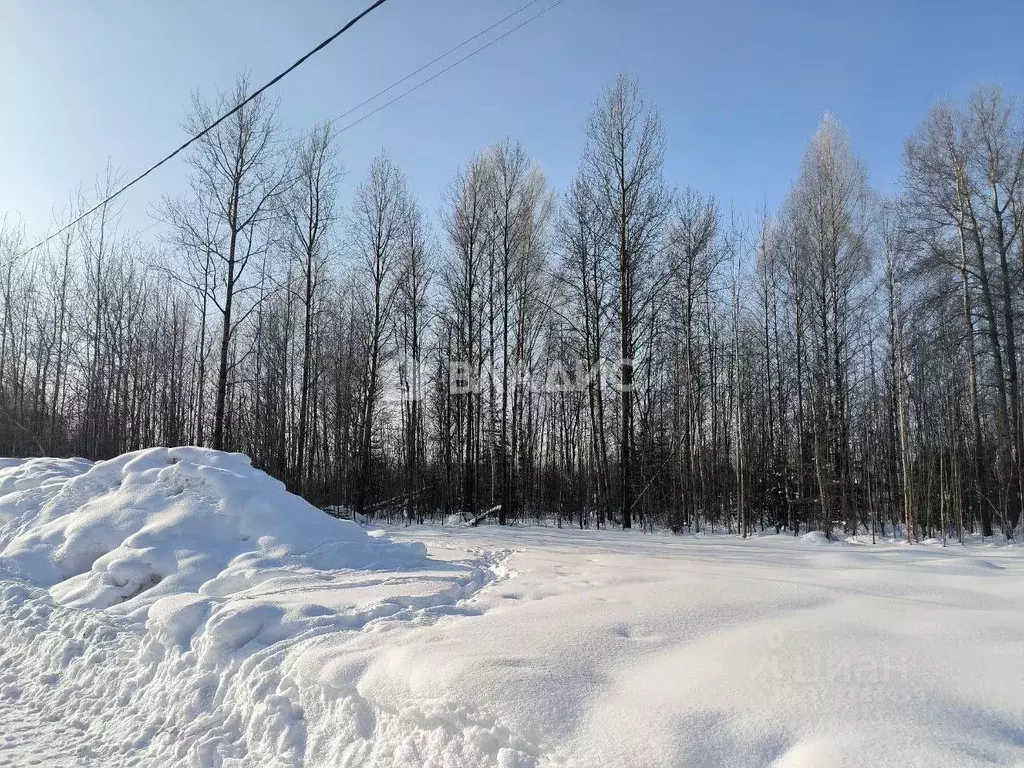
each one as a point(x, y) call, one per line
point(255, 94)
point(440, 72)
point(334, 120)
point(435, 60)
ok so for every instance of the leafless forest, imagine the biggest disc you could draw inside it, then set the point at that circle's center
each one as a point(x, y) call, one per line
point(848, 362)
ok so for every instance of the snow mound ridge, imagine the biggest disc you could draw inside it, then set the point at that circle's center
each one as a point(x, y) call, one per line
point(18, 475)
point(26, 483)
point(125, 533)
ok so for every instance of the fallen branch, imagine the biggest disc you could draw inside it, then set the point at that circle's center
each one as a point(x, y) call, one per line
point(480, 517)
point(394, 501)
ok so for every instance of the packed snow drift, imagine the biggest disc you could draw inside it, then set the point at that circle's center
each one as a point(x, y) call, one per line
point(170, 522)
point(178, 607)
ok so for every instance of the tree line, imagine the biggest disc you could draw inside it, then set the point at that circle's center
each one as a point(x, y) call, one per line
point(624, 353)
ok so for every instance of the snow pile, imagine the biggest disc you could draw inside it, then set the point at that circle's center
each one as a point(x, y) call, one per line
point(27, 484)
point(207, 588)
point(459, 520)
point(23, 474)
point(239, 627)
point(819, 539)
point(163, 522)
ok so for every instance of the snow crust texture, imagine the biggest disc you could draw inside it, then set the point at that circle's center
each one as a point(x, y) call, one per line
point(176, 607)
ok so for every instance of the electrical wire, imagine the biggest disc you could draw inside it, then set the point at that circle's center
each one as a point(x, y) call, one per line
point(434, 61)
point(334, 120)
point(440, 72)
point(255, 94)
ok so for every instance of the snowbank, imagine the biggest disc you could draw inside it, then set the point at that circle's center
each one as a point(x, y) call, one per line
point(230, 624)
point(202, 582)
point(164, 522)
point(26, 483)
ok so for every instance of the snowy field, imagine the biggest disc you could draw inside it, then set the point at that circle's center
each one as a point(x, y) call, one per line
point(177, 607)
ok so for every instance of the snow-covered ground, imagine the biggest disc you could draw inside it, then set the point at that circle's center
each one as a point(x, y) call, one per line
point(177, 607)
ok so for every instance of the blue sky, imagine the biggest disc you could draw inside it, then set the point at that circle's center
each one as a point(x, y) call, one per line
point(740, 84)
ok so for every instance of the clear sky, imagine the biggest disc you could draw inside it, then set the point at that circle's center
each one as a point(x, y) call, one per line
point(740, 84)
